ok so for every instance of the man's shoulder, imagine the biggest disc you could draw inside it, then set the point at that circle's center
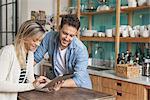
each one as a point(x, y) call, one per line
point(52, 33)
point(78, 43)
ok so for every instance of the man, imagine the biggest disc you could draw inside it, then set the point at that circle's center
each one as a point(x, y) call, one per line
point(68, 53)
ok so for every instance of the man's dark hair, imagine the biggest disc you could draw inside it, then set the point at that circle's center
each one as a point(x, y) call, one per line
point(71, 20)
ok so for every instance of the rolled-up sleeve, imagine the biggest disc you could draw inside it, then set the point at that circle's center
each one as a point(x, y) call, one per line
point(82, 78)
point(42, 49)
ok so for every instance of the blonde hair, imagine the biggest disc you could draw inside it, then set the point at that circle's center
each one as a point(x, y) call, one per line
point(28, 29)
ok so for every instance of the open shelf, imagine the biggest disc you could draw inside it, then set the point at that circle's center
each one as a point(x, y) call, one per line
point(130, 9)
point(96, 13)
point(112, 39)
point(61, 15)
point(92, 13)
point(117, 12)
point(136, 39)
point(123, 10)
point(99, 39)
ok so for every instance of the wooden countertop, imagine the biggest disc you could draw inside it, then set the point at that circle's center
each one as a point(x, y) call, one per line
point(65, 94)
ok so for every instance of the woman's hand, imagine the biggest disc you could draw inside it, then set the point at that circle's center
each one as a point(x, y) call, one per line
point(40, 82)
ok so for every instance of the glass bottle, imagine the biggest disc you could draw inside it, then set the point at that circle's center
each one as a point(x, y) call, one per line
point(96, 55)
point(119, 58)
point(95, 58)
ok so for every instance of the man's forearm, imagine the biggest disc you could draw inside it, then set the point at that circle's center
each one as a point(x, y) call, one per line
point(69, 83)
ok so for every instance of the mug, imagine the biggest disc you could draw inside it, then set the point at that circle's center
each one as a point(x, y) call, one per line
point(145, 33)
point(137, 33)
point(99, 34)
point(109, 32)
point(148, 26)
point(137, 27)
point(142, 28)
point(132, 33)
point(125, 33)
point(141, 2)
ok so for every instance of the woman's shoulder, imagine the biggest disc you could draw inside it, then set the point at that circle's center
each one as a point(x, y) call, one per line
point(7, 48)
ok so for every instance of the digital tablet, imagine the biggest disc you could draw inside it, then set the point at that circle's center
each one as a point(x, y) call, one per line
point(57, 79)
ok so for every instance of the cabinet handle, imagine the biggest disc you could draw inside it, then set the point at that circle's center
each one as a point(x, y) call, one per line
point(119, 94)
point(119, 84)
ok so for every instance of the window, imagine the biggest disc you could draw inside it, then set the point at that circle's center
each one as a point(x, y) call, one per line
point(8, 21)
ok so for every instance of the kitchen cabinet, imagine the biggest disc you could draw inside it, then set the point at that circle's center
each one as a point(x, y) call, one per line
point(117, 39)
point(96, 83)
point(120, 95)
point(120, 89)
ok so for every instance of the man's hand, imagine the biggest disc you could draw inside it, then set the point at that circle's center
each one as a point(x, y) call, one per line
point(58, 85)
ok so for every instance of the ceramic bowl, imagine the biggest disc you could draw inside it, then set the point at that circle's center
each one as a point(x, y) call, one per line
point(89, 32)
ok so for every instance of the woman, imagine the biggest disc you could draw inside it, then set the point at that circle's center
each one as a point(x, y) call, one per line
point(17, 60)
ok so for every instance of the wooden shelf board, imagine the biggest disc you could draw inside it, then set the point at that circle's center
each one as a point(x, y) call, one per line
point(123, 10)
point(112, 39)
point(61, 15)
point(137, 39)
point(96, 13)
point(101, 39)
point(92, 13)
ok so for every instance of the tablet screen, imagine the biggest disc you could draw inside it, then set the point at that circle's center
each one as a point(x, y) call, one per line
point(57, 79)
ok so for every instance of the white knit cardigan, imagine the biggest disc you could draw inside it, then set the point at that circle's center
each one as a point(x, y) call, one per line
point(10, 73)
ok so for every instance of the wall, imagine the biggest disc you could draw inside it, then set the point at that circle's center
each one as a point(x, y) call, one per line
point(50, 6)
point(45, 5)
point(26, 6)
